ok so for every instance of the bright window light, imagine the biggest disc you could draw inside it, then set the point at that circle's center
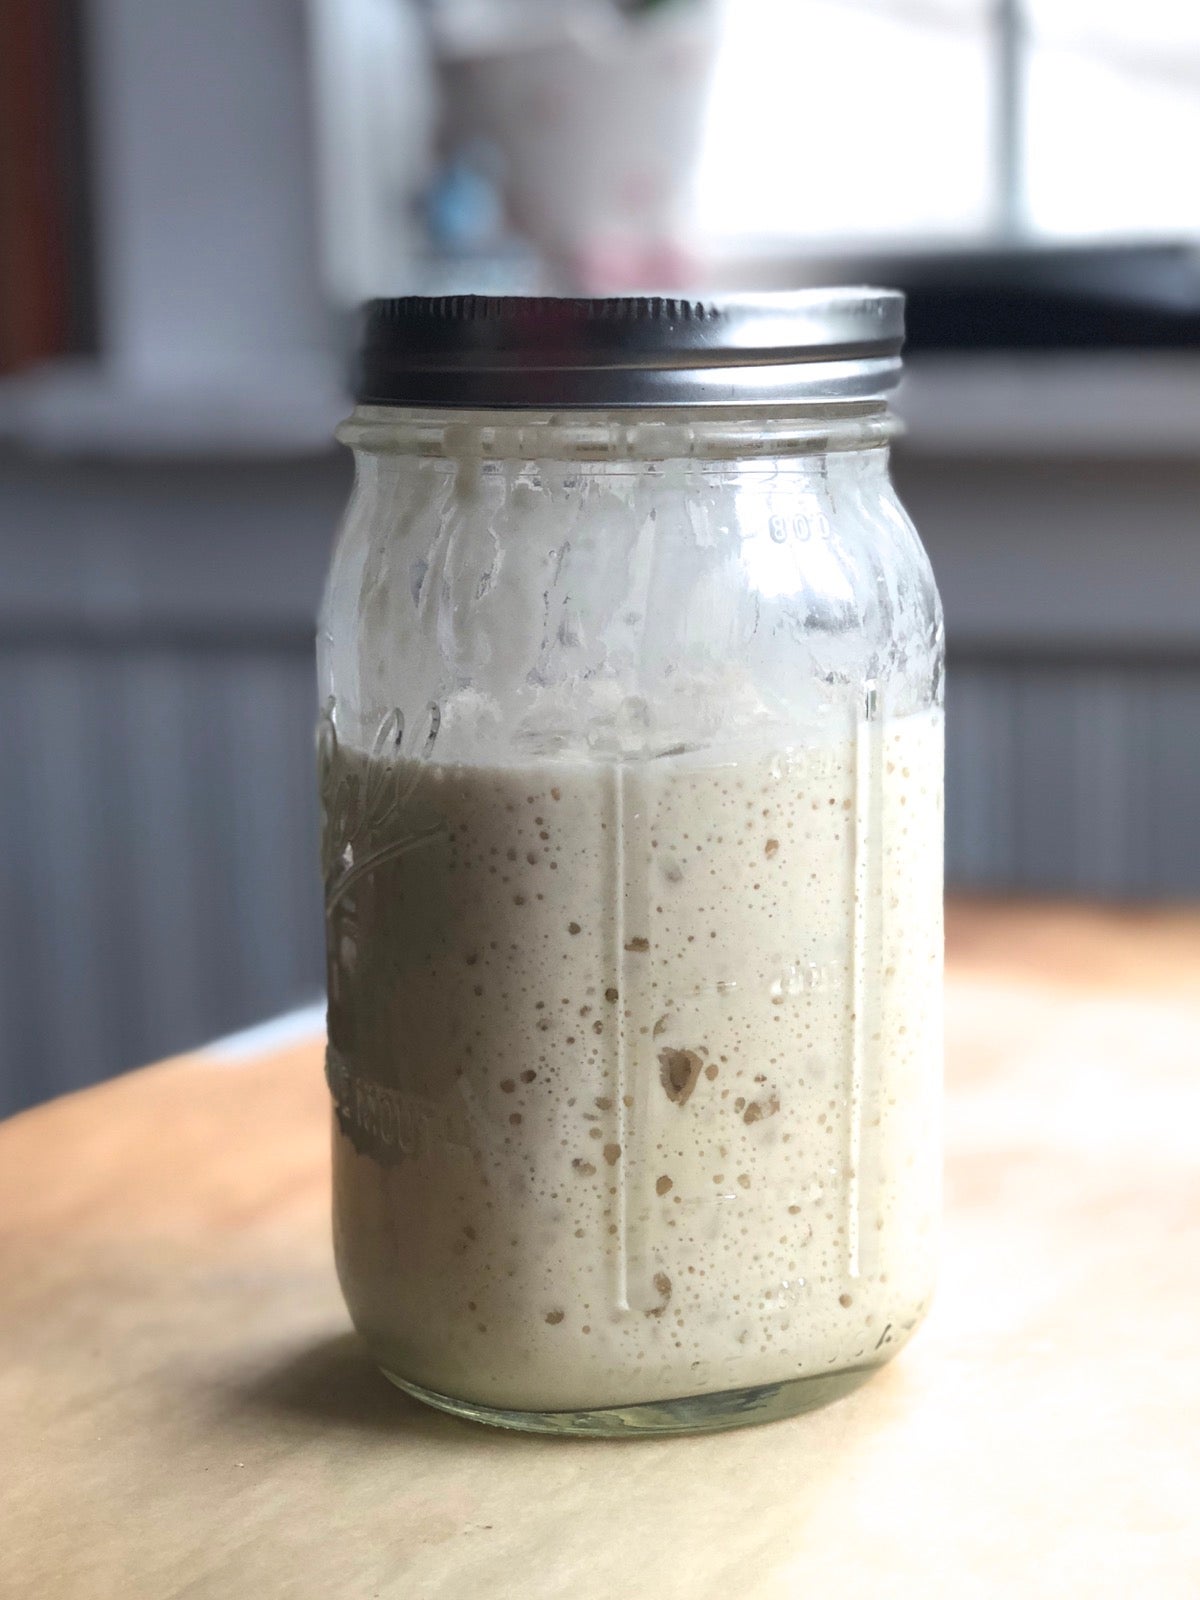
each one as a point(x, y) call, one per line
point(850, 119)
point(861, 120)
point(1113, 117)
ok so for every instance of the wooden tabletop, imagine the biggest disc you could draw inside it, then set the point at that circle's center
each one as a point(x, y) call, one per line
point(186, 1415)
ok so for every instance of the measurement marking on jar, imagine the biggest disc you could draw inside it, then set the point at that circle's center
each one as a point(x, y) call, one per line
point(798, 526)
point(868, 799)
point(621, 1043)
point(633, 940)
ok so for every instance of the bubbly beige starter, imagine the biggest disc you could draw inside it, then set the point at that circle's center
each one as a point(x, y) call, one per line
point(636, 1066)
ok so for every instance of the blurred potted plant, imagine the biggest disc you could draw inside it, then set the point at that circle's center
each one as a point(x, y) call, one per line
point(595, 110)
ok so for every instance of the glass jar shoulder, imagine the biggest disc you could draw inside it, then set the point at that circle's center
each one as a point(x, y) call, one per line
point(624, 604)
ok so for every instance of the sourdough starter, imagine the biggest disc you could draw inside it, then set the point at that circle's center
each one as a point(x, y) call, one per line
point(636, 1066)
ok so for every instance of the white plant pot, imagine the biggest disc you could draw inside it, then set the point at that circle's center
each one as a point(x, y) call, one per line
point(598, 122)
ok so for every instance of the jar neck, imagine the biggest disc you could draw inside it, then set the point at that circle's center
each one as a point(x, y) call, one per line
point(643, 434)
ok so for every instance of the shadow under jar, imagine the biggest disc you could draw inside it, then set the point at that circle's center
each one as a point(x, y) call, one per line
point(631, 775)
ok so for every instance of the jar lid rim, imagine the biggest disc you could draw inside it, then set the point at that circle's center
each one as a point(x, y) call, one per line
point(497, 352)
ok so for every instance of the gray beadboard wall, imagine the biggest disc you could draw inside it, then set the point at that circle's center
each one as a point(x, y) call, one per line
point(158, 883)
point(1059, 499)
point(1079, 778)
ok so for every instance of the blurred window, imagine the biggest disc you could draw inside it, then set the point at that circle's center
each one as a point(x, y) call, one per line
point(1112, 125)
point(884, 119)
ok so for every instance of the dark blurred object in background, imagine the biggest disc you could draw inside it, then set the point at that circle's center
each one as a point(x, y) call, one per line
point(992, 295)
point(1056, 297)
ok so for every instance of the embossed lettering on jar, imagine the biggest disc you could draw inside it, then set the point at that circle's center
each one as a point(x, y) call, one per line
point(631, 777)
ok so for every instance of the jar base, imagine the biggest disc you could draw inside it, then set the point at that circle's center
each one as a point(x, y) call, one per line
point(702, 1413)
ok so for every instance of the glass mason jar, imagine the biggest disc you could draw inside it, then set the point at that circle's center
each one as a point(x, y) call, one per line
point(631, 776)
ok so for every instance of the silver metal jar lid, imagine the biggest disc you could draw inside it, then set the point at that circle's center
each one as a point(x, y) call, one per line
point(482, 353)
